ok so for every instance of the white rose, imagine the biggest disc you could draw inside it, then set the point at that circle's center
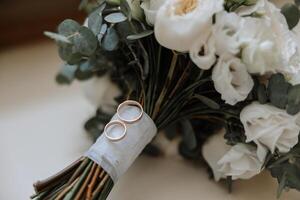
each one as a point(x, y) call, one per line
point(150, 8)
point(213, 150)
point(101, 91)
point(226, 33)
point(179, 23)
point(270, 127)
point(232, 80)
point(202, 53)
point(241, 162)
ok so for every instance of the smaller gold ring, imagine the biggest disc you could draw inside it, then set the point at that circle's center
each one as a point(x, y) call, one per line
point(115, 122)
point(130, 103)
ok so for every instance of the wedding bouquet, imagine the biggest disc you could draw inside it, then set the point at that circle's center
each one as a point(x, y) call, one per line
point(200, 65)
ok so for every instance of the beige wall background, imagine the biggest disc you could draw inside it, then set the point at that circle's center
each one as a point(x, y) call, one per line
point(41, 132)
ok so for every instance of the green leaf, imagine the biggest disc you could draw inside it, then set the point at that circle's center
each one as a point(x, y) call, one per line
point(140, 35)
point(207, 101)
point(111, 40)
point(297, 2)
point(125, 8)
point(68, 27)
point(67, 53)
point(189, 137)
point(66, 74)
point(278, 89)
point(85, 41)
point(293, 106)
point(262, 94)
point(57, 37)
point(95, 20)
point(114, 18)
point(291, 14)
point(114, 2)
point(102, 32)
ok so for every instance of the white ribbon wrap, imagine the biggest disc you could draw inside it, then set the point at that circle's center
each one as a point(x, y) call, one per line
point(115, 157)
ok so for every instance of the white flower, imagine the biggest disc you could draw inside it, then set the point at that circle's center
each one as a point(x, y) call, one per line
point(260, 51)
point(232, 80)
point(213, 150)
point(150, 8)
point(202, 53)
point(136, 10)
point(270, 127)
point(101, 91)
point(179, 23)
point(241, 162)
point(226, 32)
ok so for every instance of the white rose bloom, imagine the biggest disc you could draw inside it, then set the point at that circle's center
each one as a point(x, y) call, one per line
point(260, 52)
point(179, 23)
point(150, 8)
point(226, 32)
point(232, 80)
point(101, 91)
point(241, 162)
point(202, 53)
point(270, 127)
point(213, 150)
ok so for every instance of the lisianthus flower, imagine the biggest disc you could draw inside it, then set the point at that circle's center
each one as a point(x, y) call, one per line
point(241, 162)
point(231, 79)
point(213, 150)
point(226, 32)
point(150, 8)
point(270, 127)
point(203, 53)
point(179, 23)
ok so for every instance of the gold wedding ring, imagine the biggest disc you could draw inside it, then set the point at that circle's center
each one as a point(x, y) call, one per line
point(115, 122)
point(130, 103)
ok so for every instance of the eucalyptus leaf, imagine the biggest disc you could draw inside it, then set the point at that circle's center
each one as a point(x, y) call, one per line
point(68, 27)
point(111, 40)
point(114, 18)
point(85, 41)
point(262, 94)
point(57, 37)
point(291, 14)
point(140, 35)
point(278, 89)
point(83, 75)
point(293, 106)
point(207, 101)
point(102, 32)
point(125, 8)
point(66, 74)
point(67, 53)
point(95, 21)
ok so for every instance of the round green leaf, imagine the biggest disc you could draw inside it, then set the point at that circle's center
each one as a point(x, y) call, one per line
point(291, 14)
point(293, 106)
point(95, 21)
point(111, 40)
point(278, 89)
point(85, 42)
point(68, 27)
